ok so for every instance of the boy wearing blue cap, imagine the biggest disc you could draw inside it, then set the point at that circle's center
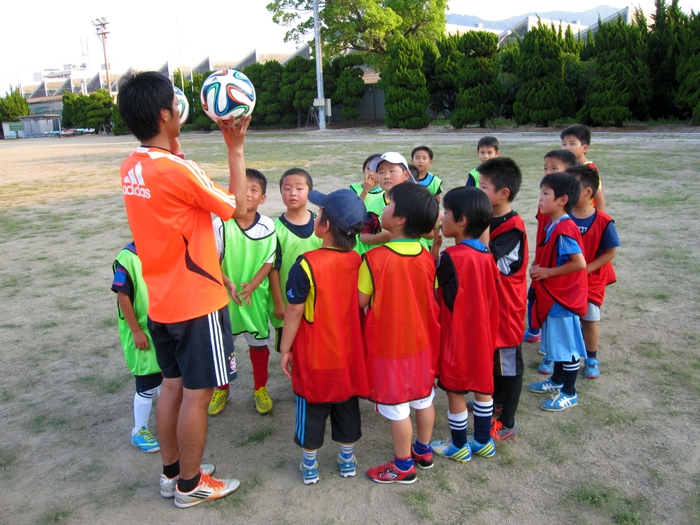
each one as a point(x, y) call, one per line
point(322, 351)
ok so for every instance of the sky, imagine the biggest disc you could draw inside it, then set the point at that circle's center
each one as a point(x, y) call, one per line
point(147, 33)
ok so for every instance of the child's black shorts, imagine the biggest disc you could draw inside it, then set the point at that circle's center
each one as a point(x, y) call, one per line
point(148, 382)
point(508, 362)
point(311, 422)
point(199, 350)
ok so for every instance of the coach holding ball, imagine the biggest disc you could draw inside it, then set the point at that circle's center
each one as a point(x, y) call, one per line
point(168, 204)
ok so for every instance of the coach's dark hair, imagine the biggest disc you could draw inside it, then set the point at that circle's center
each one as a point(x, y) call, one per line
point(257, 176)
point(369, 159)
point(417, 205)
point(487, 142)
point(588, 176)
point(564, 156)
point(423, 148)
point(503, 172)
point(581, 132)
point(563, 184)
point(141, 97)
point(298, 171)
point(472, 203)
point(343, 240)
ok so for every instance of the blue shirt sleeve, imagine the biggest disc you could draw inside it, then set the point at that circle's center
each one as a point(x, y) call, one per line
point(610, 238)
point(566, 246)
point(298, 284)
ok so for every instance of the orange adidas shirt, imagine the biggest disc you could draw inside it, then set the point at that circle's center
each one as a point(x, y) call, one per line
point(169, 202)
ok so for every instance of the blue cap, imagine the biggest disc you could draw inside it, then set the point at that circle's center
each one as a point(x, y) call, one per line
point(344, 207)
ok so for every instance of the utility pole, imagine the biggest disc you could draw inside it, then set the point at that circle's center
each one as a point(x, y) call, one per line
point(320, 102)
point(101, 31)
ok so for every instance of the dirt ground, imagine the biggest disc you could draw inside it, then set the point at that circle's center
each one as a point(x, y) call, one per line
point(628, 454)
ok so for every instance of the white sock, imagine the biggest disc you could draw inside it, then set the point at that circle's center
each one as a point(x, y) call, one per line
point(143, 402)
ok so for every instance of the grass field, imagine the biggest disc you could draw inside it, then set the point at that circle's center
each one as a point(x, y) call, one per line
point(628, 454)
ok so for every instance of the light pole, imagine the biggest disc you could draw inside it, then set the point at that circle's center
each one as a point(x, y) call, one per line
point(320, 102)
point(505, 35)
point(101, 31)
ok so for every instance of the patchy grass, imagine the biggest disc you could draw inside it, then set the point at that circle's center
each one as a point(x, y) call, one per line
point(611, 502)
point(255, 437)
point(58, 515)
point(419, 502)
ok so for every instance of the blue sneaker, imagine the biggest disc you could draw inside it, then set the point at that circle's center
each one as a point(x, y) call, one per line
point(546, 366)
point(544, 387)
point(446, 449)
point(592, 370)
point(531, 337)
point(347, 467)
point(560, 401)
point(484, 450)
point(145, 441)
point(309, 474)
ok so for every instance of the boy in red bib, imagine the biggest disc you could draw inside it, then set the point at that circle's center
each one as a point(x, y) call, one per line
point(469, 319)
point(322, 327)
point(600, 239)
point(561, 291)
point(402, 332)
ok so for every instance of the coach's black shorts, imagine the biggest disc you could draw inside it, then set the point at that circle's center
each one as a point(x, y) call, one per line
point(508, 362)
point(311, 422)
point(199, 350)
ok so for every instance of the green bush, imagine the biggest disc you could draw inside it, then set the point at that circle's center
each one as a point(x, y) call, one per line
point(214, 126)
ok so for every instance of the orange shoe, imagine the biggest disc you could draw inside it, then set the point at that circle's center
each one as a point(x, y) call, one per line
point(207, 489)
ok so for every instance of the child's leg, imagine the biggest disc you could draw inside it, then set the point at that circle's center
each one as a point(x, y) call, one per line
point(146, 388)
point(310, 429)
point(346, 429)
point(259, 358)
point(590, 337)
point(401, 469)
point(570, 372)
point(531, 334)
point(457, 418)
point(512, 386)
point(401, 434)
point(483, 411)
point(143, 402)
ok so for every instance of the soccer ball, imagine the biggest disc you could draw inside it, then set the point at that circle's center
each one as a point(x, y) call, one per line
point(182, 105)
point(227, 93)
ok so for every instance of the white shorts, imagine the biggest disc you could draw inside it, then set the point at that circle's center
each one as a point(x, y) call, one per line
point(592, 314)
point(402, 411)
point(251, 341)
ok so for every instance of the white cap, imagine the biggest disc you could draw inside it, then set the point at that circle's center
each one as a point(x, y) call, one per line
point(389, 156)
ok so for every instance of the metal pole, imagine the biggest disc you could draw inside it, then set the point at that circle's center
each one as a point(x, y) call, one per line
point(319, 70)
point(179, 51)
point(101, 30)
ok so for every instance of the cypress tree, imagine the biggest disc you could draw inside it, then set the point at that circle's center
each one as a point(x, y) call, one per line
point(543, 96)
point(444, 98)
point(350, 87)
point(509, 83)
point(688, 72)
point(662, 58)
point(297, 89)
point(478, 91)
point(430, 57)
point(407, 98)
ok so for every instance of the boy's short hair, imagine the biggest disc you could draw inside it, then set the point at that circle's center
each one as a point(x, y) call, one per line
point(581, 132)
point(298, 171)
point(341, 239)
point(472, 203)
point(487, 142)
point(345, 212)
point(257, 175)
point(417, 205)
point(503, 172)
point(141, 97)
point(414, 171)
point(369, 159)
point(562, 155)
point(563, 184)
point(587, 176)
point(423, 148)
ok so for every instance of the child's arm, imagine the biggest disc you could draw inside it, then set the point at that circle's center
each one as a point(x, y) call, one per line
point(276, 291)
point(140, 339)
point(292, 320)
point(599, 199)
point(601, 261)
point(576, 263)
point(382, 237)
point(367, 185)
point(248, 288)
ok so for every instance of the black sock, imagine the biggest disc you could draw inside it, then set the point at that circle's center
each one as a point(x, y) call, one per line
point(188, 485)
point(592, 355)
point(498, 390)
point(512, 387)
point(570, 373)
point(172, 471)
point(558, 375)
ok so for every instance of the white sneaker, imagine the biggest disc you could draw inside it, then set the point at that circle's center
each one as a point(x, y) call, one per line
point(167, 485)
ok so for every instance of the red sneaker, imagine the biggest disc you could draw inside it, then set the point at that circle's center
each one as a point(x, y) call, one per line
point(422, 461)
point(390, 474)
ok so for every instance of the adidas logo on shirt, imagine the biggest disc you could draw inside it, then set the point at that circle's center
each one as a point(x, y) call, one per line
point(133, 183)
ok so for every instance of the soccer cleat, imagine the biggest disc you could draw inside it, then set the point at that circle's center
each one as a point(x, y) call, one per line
point(422, 461)
point(263, 403)
point(309, 474)
point(207, 489)
point(560, 401)
point(347, 467)
point(592, 371)
point(145, 441)
point(529, 337)
point(485, 450)
point(499, 432)
point(544, 387)
point(167, 485)
point(497, 408)
point(446, 449)
point(218, 401)
point(546, 366)
point(390, 474)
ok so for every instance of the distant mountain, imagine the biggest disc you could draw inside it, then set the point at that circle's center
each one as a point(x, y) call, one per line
point(587, 18)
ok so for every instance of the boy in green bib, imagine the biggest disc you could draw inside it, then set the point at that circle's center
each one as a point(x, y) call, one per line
point(369, 189)
point(139, 352)
point(247, 250)
point(487, 148)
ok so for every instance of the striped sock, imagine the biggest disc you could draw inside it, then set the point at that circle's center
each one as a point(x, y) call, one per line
point(143, 402)
point(570, 373)
point(458, 427)
point(483, 411)
point(309, 457)
point(346, 452)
